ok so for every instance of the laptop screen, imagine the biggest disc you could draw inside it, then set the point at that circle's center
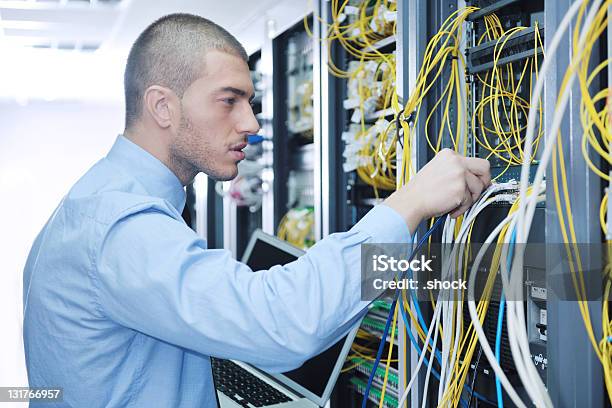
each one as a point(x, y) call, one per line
point(264, 255)
point(263, 252)
point(315, 373)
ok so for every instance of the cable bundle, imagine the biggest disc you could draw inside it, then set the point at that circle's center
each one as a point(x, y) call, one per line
point(501, 98)
point(357, 26)
point(296, 227)
point(361, 146)
point(457, 343)
point(443, 52)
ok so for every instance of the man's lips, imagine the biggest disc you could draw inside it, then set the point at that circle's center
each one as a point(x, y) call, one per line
point(239, 146)
point(236, 151)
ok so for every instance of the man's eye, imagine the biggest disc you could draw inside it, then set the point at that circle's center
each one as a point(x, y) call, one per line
point(230, 101)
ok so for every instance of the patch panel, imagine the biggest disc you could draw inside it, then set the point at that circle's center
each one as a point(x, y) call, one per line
point(518, 47)
point(365, 368)
point(375, 325)
point(375, 394)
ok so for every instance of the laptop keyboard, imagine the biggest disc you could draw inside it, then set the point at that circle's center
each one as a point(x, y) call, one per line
point(243, 387)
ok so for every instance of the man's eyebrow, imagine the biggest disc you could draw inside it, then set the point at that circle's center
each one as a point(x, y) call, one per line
point(237, 91)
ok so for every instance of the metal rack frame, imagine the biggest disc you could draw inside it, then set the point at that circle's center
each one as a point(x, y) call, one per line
point(574, 372)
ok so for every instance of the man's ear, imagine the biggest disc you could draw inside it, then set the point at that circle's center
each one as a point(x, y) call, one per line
point(159, 105)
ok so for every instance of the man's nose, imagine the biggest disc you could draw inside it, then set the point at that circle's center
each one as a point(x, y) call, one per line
point(248, 123)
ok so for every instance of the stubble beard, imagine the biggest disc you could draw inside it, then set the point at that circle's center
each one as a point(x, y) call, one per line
point(191, 154)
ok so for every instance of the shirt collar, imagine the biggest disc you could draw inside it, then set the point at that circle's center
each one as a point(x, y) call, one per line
point(155, 177)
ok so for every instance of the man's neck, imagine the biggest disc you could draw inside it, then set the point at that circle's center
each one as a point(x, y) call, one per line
point(156, 147)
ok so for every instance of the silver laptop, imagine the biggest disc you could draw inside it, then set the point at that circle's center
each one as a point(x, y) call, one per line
point(242, 385)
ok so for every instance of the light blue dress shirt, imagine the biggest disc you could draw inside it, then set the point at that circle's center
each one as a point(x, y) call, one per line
point(124, 303)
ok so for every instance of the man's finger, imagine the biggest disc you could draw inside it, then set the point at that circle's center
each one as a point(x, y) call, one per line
point(464, 205)
point(474, 184)
point(479, 167)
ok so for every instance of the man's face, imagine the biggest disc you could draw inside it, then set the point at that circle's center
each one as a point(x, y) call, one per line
point(216, 117)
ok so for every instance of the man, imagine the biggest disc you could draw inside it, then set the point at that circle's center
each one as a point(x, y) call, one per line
point(124, 303)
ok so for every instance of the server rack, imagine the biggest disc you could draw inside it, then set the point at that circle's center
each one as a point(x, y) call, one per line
point(295, 146)
point(249, 214)
point(574, 373)
point(571, 381)
point(479, 55)
point(213, 214)
point(189, 211)
point(242, 197)
point(518, 51)
point(347, 197)
point(350, 197)
point(571, 371)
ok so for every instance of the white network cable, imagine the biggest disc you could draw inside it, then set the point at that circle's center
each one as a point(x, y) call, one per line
point(519, 343)
point(455, 257)
point(484, 343)
point(472, 304)
point(445, 305)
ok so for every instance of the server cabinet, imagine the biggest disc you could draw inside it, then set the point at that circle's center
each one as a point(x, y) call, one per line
point(525, 29)
point(295, 153)
point(357, 85)
point(243, 196)
point(502, 47)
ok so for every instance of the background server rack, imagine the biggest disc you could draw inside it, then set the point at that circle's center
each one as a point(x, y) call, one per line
point(574, 375)
point(249, 217)
point(214, 216)
point(294, 149)
point(349, 197)
point(285, 82)
point(189, 212)
point(204, 210)
point(519, 50)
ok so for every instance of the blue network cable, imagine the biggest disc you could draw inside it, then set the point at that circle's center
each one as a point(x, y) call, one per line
point(417, 307)
point(500, 320)
point(439, 359)
point(420, 244)
point(498, 336)
point(381, 347)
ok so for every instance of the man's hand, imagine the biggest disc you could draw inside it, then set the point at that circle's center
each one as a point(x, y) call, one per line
point(448, 183)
